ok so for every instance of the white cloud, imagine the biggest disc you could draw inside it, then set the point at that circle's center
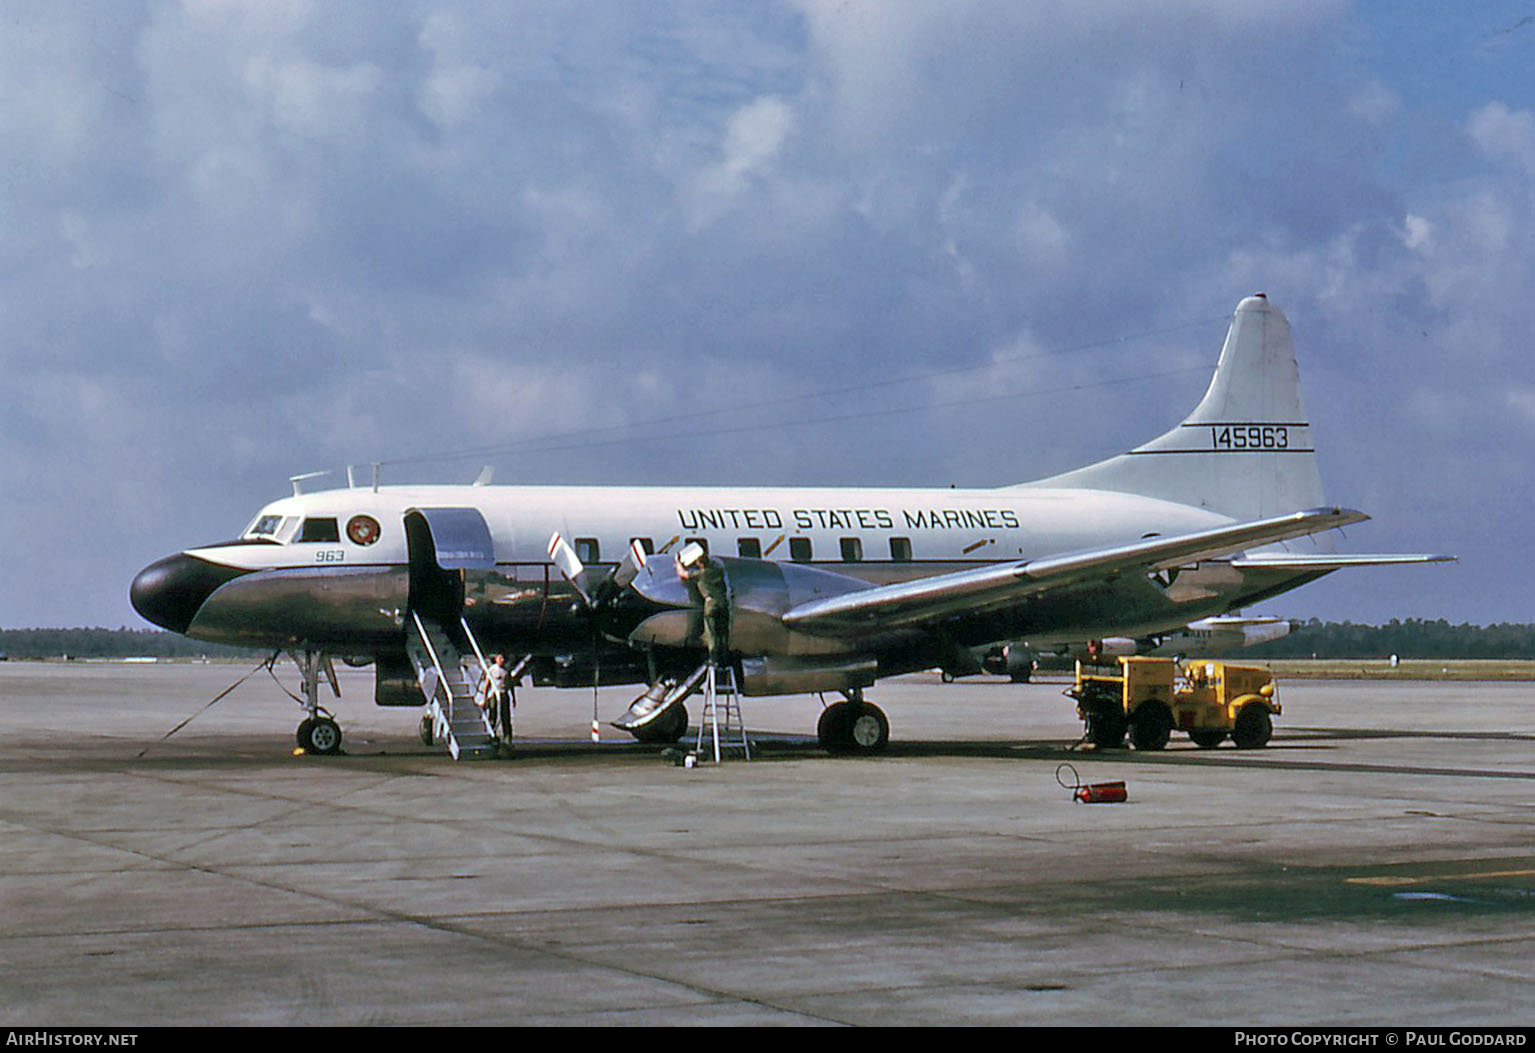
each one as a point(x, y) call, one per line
point(1522, 401)
point(1040, 232)
point(311, 99)
point(1416, 232)
point(1375, 104)
point(457, 89)
point(754, 138)
point(1501, 132)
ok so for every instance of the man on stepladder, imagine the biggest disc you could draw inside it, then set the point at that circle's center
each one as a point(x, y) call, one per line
point(707, 578)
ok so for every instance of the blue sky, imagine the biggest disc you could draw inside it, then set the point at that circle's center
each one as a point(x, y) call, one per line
point(247, 240)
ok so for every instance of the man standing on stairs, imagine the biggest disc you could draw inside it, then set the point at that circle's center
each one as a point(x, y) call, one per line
point(498, 698)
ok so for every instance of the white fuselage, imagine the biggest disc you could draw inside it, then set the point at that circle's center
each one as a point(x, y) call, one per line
point(333, 569)
point(930, 528)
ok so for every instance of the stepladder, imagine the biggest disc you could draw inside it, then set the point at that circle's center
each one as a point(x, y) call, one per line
point(721, 728)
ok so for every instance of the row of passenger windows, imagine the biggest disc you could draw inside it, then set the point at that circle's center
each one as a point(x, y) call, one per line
point(327, 530)
point(801, 550)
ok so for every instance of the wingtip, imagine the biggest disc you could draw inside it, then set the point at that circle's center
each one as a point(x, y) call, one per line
point(1346, 516)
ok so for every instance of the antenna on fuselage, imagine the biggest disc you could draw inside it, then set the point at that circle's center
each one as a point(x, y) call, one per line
point(299, 480)
point(351, 476)
point(486, 474)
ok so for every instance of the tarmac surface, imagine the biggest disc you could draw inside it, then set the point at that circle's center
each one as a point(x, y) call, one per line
point(1374, 866)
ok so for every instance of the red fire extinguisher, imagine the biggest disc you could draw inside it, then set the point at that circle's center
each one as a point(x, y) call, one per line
point(1091, 793)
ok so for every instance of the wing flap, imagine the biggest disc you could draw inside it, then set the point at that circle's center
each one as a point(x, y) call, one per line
point(972, 591)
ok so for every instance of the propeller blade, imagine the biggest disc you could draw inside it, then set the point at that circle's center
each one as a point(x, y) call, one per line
point(570, 566)
point(629, 569)
point(593, 590)
point(565, 557)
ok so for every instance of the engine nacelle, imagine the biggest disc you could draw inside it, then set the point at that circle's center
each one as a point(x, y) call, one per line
point(773, 675)
point(759, 592)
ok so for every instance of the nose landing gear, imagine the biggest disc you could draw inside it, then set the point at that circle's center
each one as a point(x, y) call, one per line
point(318, 732)
point(319, 735)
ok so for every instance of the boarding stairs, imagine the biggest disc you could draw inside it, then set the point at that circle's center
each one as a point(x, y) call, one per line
point(450, 694)
point(720, 725)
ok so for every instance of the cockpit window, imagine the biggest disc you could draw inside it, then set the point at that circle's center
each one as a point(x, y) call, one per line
point(270, 528)
point(320, 529)
point(264, 526)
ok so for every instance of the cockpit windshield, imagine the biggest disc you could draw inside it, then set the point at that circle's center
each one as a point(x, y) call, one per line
point(270, 527)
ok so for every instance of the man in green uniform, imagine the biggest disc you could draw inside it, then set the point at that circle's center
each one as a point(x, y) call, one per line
point(706, 578)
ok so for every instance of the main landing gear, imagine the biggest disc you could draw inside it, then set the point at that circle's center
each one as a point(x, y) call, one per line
point(853, 727)
point(318, 732)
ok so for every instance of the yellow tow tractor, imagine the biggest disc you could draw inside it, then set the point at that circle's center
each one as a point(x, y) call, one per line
point(1150, 697)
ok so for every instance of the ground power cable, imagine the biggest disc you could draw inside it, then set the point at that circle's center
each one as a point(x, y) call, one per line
point(266, 663)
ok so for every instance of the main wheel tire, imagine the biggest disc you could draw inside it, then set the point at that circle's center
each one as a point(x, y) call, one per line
point(319, 735)
point(832, 729)
point(427, 732)
point(1253, 727)
point(1105, 731)
point(853, 727)
point(869, 730)
point(1151, 726)
point(1207, 740)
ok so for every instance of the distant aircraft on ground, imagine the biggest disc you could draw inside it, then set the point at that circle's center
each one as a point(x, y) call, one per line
point(807, 590)
point(1205, 638)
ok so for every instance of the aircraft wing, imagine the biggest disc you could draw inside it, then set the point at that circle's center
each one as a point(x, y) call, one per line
point(912, 603)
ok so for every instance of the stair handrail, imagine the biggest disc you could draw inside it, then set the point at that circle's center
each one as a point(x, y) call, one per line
point(479, 655)
point(442, 676)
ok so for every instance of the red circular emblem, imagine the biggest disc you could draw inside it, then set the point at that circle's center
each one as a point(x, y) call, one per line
point(363, 530)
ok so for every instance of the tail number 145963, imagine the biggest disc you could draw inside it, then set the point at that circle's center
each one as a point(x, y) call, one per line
point(1249, 437)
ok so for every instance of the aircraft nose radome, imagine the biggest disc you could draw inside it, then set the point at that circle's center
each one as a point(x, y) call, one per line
point(169, 592)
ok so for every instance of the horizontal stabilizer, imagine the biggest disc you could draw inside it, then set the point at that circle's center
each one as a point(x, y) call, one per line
point(1301, 561)
point(911, 603)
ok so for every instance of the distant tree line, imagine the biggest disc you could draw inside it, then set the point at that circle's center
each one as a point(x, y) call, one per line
point(1412, 638)
point(109, 643)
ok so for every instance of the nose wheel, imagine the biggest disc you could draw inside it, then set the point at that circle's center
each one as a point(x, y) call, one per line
point(319, 735)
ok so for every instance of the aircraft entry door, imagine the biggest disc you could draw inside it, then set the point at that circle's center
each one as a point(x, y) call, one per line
point(443, 543)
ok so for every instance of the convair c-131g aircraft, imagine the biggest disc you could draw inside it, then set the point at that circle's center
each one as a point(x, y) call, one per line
point(794, 590)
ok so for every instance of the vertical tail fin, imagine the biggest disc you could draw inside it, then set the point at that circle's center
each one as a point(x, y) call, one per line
point(1245, 451)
